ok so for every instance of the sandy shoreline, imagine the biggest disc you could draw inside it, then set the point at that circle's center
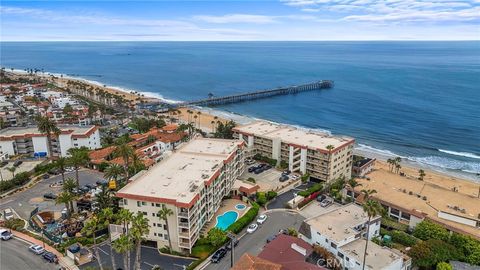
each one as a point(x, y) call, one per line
point(207, 115)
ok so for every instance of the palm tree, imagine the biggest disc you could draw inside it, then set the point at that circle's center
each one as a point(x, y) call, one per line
point(66, 198)
point(397, 168)
point(163, 214)
point(69, 186)
point(139, 229)
point(126, 152)
point(90, 228)
point(61, 163)
point(123, 246)
point(353, 184)
point(124, 216)
point(372, 209)
point(422, 174)
point(137, 164)
point(368, 193)
point(12, 170)
point(48, 126)
point(108, 217)
point(78, 157)
point(113, 172)
point(391, 163)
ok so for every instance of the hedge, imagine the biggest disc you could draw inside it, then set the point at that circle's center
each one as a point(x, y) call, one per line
point(20, 179)
point(403, 238)
point(245, 220)
point(271, 195)
point(310, 190)
point(271, 161)
point(261, 198)
point(308, 199)
point(43, 168)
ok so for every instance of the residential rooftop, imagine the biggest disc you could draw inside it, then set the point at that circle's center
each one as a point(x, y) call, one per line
point(22, 131)
point(178, 177)
point(289, 134)
point(339, 224)
point(377, 257)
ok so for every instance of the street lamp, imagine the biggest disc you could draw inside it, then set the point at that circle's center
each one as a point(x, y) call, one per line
point(232, 237)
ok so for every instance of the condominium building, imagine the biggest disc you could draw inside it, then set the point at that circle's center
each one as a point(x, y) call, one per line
point(343, 232)
point(191, 182)
point(30, 141)
point(323, 156)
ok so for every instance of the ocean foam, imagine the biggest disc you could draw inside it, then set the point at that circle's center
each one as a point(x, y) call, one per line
point(373, 150)
point(462, 154)
point(448, 163)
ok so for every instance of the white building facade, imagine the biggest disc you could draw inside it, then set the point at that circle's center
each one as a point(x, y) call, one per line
point(29, 141)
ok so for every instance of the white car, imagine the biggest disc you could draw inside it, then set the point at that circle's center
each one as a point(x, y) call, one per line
point(8, 214)
point(294, 177)
point(5, 235)
point(261, 219)
point(36, 249)
point(252, 228)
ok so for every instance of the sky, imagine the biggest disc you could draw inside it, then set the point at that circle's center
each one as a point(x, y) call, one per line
point(247, 20)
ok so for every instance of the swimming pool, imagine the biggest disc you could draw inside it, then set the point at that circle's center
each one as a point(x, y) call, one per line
point(240, 206)
point(225, 220)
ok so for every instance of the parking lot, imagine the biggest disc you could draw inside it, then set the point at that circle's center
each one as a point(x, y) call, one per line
point(253, 243)
point(282, 199)
point(26, 201)
point(14, 255)
point(267, 180)
point(26, 166)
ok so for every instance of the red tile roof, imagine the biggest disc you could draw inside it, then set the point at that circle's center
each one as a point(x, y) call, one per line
point(171, 127)
point(280, 251)
point(98, 156)
point(250, 262)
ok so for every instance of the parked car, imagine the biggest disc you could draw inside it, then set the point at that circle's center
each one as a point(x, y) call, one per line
point(271, 238)
point(286, 172)
point(267, 167)
point(8, 214)
point(218, 255)
point(69, 169)
point(252, 169)
point(5, 235)
point(46, 176)
point(17, 163)
point(321, 197)
point(84, 189)
point(90, 186)
point(261, 219)
point(258, 171)
point(294, 176)
point(283, 178)
point(50, 196)
point(326, 203)
point(252, 228)
point(50, 257)
point(249, 161)
point(36, 249)
point(102, 182)
point(228, 246)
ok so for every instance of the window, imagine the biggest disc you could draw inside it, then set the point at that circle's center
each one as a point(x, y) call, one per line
point(153, 214)
point(144, 203)
point(145, 213)
point(125, 201)
point(165, 227)
point(394, 211)
point(166, 236)
point(340, 255)
point(157, 205)
point(333, 245)
point(154, 224)
point(153, 204)
point(139, 203)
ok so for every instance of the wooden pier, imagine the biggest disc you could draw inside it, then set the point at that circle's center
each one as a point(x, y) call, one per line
point(213, 101)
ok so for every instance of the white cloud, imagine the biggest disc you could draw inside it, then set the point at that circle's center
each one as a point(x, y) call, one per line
point(236, 18)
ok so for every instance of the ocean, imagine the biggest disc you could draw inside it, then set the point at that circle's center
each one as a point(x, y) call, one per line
point(417, 100)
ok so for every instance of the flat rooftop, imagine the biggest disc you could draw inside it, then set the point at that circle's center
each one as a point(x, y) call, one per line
point(20, 131)
point(390, 189)
point(377, 257)
point(179, 176)
point(294, 135)
point(338, 224)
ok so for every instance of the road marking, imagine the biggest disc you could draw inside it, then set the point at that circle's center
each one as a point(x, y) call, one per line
point(103, 251)
point(8, 201)
point(149, 264)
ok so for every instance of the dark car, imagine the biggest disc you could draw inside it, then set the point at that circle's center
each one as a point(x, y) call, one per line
point(50, 257)
point(267, 167)
point(251, 169)
point(102, 182)
point(91, 186)
point(283, 178)
point(228, 246)
point(17, 163)
point(46, 176)
point(50, 196)
point(218, 255)
point(84, 189)
point(322, 197)
point(271, 238)
point(258, 171)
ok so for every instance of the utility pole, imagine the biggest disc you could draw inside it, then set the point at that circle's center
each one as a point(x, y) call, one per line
point(233, 238)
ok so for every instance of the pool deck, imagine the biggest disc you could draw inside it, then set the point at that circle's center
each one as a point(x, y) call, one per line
point(228, 205)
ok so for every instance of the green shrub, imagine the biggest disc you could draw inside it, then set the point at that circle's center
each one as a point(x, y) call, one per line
point(202, 251)
point(20, 179)
point(271, 194)
point(443, 266)
point(310, 190)
point(15, 224)
point(428, 230)
point(403, 238)
point(43, 168)
point(271, 161)
point(242, 222)
point(429, 253)
point(104, 165)
point(261, 198)
point(305, 177)
point(389, 223)
point(251, 179)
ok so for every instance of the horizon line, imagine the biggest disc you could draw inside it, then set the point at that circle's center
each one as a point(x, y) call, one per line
point(300, 40)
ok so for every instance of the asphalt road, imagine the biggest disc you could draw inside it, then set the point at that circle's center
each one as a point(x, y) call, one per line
point(14, 255)
point(149, 257)
point(254, 243)
point(24, 202)
point(282, 199)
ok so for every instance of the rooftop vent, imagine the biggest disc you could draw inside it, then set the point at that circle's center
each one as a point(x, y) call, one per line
point(299, 249)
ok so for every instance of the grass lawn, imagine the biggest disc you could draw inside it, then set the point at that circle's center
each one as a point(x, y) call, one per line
point(202, 251)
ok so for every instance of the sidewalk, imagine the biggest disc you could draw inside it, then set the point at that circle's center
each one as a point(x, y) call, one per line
point(62, 260)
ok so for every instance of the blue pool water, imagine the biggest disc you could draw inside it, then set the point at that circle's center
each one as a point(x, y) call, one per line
point(240, 206)
point(225, 220)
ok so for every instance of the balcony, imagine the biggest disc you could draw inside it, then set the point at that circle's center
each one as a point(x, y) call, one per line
point(183, 214)
point(183, 224)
